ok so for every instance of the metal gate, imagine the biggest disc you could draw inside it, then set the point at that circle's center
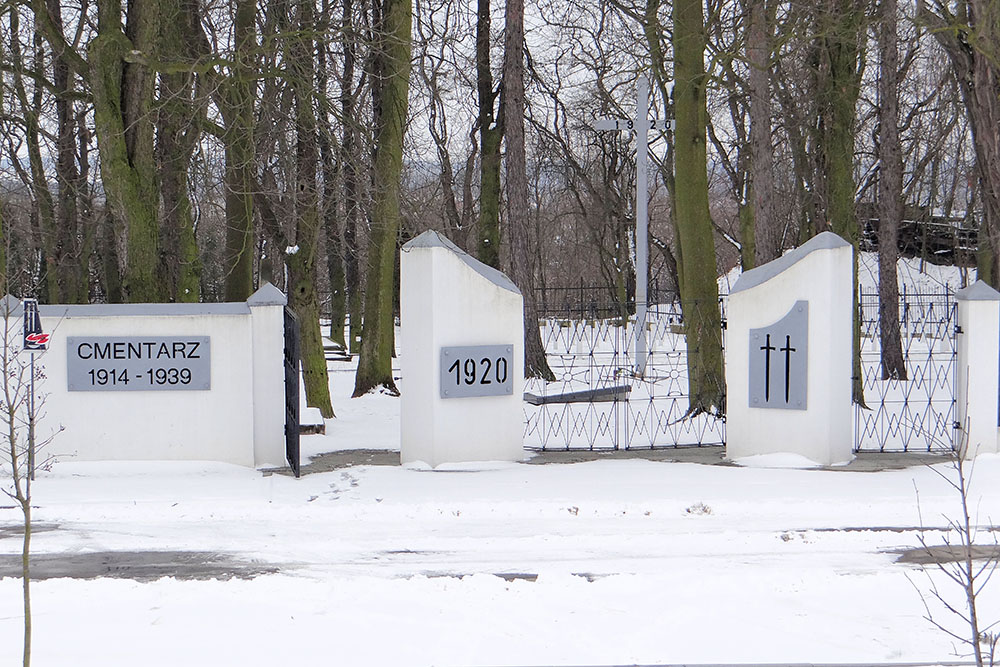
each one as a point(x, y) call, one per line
point(598, 401)
point(915, 412)
point(292, 355)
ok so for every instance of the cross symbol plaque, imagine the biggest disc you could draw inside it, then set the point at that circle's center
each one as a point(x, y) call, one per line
point(779, 361)
point(642, 124)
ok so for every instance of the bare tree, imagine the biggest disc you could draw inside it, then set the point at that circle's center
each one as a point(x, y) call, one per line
point(18, 412)
point(490, 125)
point(969, 32)
point(890, 194)
point(965, 564)
point(522, 252)
point(767, 228)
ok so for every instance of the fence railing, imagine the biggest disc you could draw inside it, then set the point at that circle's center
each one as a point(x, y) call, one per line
point(588, 302)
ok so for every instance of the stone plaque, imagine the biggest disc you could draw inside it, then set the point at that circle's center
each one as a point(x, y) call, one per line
point(779, 361)
point(477, 370)
point(138, 363)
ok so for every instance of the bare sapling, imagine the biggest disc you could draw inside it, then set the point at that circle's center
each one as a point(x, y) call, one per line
point(19, 409)
point(963, 561)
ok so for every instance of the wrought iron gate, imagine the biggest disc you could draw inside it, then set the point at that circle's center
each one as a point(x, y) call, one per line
point(292, 355)
point(914, 411)
point(598, 400)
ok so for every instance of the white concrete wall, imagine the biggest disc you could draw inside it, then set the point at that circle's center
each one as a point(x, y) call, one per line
point(447, 298)
point(240, 419)
point(818, 272)
point(978, 372)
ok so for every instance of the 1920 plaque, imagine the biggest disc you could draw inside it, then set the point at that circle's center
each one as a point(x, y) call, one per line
point(477, 370)
point(138, 363)
point(779, 361)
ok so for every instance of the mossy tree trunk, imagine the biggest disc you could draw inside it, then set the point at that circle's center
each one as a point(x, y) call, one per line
point(490, 137)
point(765, 231)
point(301, 261)
point(110, 261)
point(839, 24)
point(391, 69)
point(698, 279)
point(122, 90)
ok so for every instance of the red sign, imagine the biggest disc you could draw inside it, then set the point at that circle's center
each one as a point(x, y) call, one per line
point(34, 339)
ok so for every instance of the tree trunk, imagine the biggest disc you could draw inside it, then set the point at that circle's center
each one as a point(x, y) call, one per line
point(970, 37)
point(302, 261)
point(331, 221)
point(890, 193)
point(110, 262)
point(490, 138)
point(838, 86)
point(64, 255)
point(391, 65)
point(178, 130)
point(766, 227)
point(43, 206)
point(699, 289)
point(522, 255)
point(349, 160)
point(123, 101)
point(240, 98)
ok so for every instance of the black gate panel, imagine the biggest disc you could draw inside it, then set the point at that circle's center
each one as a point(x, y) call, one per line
point(292, 356)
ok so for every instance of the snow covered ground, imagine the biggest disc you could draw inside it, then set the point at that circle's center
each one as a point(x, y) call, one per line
point(607, 562)
point(599, 563)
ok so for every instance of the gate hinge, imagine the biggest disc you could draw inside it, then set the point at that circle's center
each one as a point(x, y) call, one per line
point(958, 330)
point(957, 426)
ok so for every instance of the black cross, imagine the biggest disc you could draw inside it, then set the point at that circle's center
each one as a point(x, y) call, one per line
point(788, 349)
point(768, 348)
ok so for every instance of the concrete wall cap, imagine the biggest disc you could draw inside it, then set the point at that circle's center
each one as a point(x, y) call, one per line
point(977, 291)
point(431, 239)
point(760, 275)
point(143, 309)
point(267, 295)
point(10, 306)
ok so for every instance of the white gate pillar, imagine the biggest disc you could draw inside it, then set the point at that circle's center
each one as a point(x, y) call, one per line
point(462, 357)
point(978, 376)
point(788, 355)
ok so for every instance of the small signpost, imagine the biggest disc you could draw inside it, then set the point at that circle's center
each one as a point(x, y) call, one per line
point(35, 340)
point(641, 124)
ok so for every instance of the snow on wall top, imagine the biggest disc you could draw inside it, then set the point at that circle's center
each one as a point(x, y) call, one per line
point(431, 239)
point(760, 275)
